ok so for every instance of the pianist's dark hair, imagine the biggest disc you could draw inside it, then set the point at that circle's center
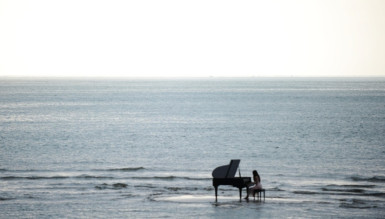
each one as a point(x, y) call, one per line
point(255, 173)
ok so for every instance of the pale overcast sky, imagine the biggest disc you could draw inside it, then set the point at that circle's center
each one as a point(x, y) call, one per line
point(177, 38)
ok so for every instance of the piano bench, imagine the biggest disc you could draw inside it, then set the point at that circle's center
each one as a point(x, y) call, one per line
point(259, 194)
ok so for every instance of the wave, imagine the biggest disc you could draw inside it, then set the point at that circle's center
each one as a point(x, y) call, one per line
point(357, 203)
point(306, 192)
point(124, 169)
point(22, 171)
point(344, 190)
point(85, 176)
point(145, 186)
point(113, 186)
point(32, 177)
point(53, 177)
point(92, 177)
point(175, 189)
point(5, 198)
point(341, 192)
point(358, 190)
point(369, 179)
point(276, 189)
point(208, 188)
point(155, 177)
point(168, 178)
point(376, 194)
point(189, 189)
point(352, 186)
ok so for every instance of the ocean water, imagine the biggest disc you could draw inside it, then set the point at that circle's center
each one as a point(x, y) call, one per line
point(94, 148)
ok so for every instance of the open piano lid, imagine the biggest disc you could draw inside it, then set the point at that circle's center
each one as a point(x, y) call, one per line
point(226, 171)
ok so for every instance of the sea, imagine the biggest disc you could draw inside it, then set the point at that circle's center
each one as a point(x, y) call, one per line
point(146, 148)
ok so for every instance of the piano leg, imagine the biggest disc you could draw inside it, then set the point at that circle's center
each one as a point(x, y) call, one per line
point(240, 194)
point(216, 193)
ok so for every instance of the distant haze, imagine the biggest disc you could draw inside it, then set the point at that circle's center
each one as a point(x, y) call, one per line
point(163, 38)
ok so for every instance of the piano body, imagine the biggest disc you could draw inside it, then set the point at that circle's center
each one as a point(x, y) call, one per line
point(225, 175)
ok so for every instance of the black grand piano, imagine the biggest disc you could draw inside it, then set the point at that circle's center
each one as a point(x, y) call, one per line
point(225, 175)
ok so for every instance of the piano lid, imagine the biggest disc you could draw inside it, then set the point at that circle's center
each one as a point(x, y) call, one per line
point(226, 171)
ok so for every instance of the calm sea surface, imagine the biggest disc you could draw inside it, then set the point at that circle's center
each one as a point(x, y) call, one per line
point(146, 148)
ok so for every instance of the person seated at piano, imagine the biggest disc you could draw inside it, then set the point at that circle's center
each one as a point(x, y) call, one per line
point(254, 186)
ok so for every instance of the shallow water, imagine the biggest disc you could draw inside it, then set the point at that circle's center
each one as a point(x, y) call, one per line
point(146, 148)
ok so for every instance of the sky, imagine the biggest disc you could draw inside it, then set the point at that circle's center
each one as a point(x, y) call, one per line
point(192, 38)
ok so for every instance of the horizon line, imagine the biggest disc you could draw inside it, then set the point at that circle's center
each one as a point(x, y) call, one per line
point(174, 77)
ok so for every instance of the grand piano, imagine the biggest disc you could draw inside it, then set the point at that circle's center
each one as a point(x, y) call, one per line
point(225, 175)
